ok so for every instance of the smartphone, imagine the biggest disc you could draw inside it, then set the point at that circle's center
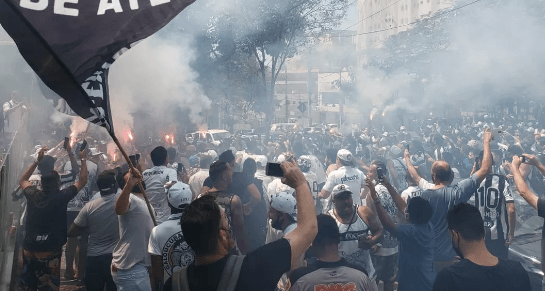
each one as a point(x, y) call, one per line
point(83, 146)
point(181, 168)
point(274, 170)
point(523, 159)
point(407, 147)
point(134, 159)
point(66, 141)
point(496, 132)
point(380, 174)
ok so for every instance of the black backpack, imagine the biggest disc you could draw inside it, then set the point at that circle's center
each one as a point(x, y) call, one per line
point(229, 277)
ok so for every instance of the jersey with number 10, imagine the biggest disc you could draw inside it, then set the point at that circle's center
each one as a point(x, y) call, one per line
point(491, 198)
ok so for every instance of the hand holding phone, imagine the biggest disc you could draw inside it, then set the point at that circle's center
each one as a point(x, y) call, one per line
point(380, 174)
point(83, 146)
point(274, 170)
point(66, 143)
point(523, 159)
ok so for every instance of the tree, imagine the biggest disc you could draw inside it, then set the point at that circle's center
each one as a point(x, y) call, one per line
point(271, 31)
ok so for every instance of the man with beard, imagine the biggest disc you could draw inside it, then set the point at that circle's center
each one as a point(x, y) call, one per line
point(206, 231)
point(355, 222)
point(168, 249)
point(478, 270)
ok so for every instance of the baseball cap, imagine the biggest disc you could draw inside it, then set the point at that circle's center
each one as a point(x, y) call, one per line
point(340, 189)
point(344, 155)
point(284, 202)
point(194, 160)
point(179, 195)
point(261, 160)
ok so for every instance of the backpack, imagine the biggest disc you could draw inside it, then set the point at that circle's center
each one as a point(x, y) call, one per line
point(229, 277)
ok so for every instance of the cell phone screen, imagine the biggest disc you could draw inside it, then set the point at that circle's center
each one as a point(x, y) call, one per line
point(274, 170)
point(66, 141)
point(83, 146)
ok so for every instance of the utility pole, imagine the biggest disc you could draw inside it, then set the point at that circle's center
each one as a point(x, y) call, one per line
point(287, 105)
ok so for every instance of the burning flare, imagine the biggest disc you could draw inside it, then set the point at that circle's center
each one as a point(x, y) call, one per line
point(130, 136)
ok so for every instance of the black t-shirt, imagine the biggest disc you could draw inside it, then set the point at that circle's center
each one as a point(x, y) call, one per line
point(46, 220)
point(541, 213)
point(261, 270)
point(468, 276)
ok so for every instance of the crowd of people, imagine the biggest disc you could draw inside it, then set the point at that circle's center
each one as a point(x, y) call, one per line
point(433, 208)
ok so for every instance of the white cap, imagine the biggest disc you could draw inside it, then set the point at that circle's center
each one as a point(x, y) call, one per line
point(345, 155)
point(261, 160)
point(213, 154)
point(284, 202)
point(179, 195)
point(341, 188)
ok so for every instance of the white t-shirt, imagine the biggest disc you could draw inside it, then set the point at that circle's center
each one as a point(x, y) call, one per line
point(352, 177)
point(389, 244)
point(166, 240)
point(425, 185)
point(155, 180)
point(411, 192)
point(197, 180)
point(13, 119)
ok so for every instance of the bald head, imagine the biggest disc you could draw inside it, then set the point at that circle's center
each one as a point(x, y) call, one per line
point(441, 172)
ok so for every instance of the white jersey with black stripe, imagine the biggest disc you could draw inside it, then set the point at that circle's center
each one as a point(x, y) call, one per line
point(491, 199)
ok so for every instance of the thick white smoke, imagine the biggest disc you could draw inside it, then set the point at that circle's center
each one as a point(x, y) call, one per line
point(155, 76)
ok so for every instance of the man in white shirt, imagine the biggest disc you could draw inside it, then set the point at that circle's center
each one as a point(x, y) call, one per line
point(13, 112)
point(99, 217)
point(412, 191)
point(167, 246)
point(261, 174)
point(155, 180)
point(347, 174)
point(196, 181)
point(131, 260)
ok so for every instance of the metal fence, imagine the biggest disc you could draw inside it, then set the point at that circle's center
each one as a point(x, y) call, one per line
point(11, 167)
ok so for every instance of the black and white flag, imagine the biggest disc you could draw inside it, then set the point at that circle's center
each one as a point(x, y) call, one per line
point(71, 44)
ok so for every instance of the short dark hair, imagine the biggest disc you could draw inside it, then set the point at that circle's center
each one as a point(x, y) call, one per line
point(205, 161)
point(331, 154)
point(159, 156)
point(106, 180)
point(171, 154)
point(249, 168)
point(201, 224)
point(227, 156)
point(216, 169)
point(466, 220)
point(328, 231)
point(47, 164)
point(419, 210)
point(50, 181)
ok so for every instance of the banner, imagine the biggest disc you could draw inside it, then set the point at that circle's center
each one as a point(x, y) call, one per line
point(71, 44)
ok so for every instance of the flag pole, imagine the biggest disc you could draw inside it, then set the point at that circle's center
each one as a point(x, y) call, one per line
point(150, 209)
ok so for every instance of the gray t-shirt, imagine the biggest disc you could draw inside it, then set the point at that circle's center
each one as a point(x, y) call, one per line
point(100, 217)
point(135, 227)
point(441, 201)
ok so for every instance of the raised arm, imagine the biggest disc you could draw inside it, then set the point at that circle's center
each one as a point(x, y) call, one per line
point(486, 165)
point(122, 203)
point(522, 187)
point(307, 226)
point(532, 160)
point(23, 180)
point(399, 202)
point(73, 162)
point(83, 173)
point(410, 168)
point(255, 196)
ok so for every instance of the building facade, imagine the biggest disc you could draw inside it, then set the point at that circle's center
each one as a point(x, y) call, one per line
point(379, 19)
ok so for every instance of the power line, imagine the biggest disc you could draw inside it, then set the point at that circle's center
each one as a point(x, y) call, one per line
point(371, 14)
point(414, 22)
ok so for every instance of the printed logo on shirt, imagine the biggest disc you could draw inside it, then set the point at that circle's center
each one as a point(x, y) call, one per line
point(153, 173)
point(335, 287)
point(177, 254)
point(348, 179)
point(42, 238)
point(352, 235)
